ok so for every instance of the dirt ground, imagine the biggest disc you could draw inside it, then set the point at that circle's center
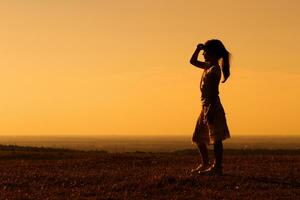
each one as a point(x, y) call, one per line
point(47, 174)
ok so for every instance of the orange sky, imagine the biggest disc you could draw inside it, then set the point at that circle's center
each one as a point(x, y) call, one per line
point(122, 67)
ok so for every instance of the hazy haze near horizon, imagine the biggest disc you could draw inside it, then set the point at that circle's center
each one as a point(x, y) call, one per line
point(147, 143)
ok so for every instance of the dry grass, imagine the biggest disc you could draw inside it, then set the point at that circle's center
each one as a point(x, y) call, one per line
point(27, 173)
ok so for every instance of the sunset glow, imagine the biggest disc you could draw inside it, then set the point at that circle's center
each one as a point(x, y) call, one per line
point(122, 67)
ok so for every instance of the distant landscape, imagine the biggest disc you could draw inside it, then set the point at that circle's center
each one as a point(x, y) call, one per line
point(147, 143)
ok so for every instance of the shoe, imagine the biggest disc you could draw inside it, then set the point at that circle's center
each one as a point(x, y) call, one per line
point(200, 168)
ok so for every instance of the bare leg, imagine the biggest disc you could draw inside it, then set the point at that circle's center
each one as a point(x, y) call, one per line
point(216, 168)
point(204, 157)
point(203, 152)
point(218, 151)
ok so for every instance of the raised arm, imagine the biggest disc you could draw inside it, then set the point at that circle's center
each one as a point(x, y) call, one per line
point(194, 59)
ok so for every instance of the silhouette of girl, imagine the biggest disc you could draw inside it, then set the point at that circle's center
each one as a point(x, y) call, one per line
point(211, 126)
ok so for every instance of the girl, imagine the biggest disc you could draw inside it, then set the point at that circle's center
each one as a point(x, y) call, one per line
point(211, 127)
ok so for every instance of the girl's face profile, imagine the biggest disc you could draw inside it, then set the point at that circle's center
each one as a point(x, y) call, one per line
point(208, 56)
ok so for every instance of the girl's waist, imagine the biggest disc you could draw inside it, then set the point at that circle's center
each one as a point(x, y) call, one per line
point(213, 100)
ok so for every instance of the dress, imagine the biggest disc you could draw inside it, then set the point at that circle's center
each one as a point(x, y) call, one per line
point(211, 125)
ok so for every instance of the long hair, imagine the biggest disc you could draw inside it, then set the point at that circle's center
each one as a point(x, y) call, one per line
point(218, 49)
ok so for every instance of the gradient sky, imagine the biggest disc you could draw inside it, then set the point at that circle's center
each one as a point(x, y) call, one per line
point(112, 67)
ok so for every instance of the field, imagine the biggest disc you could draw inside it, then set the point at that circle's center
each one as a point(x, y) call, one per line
point(46, 173)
